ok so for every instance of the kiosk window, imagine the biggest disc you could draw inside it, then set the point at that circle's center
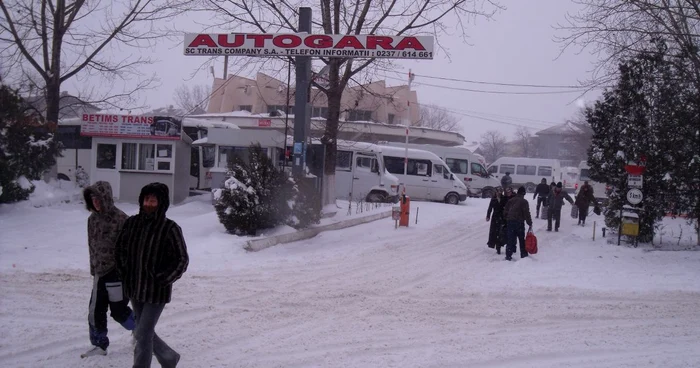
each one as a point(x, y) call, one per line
point(147, 156)
point(106, 156)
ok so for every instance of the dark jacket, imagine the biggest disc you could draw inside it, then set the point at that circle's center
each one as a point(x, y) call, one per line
point(506, 181)
point(496, 207)
point(542, 191)
point(518, 209)
point(151, 251)
point(584, 198)
point(102, 228)
point(556, 201)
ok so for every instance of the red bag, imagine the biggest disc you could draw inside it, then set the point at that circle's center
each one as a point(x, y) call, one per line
point(531, 243)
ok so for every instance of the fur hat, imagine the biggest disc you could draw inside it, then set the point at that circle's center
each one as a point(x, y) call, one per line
point(559, 185)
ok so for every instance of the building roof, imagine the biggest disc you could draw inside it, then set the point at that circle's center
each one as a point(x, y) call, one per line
point(69, 105)
point(561, 129)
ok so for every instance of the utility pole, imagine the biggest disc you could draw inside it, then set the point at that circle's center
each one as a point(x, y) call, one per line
point(301, 99)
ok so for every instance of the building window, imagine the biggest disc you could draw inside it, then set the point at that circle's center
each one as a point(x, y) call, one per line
point(208, 156)
point(147, 156)
point(106, 156)
point(343, 161)
point(248, 108)
point(319, 112)
point(391, 118)
point(527, 170)
point(360, 115)
point(457, 166)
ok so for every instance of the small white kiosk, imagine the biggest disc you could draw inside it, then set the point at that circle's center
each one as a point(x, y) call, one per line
point(131, 151)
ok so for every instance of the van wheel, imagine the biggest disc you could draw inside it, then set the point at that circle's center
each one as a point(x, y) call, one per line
point(530, 187)
point(452, 198)
point(487, 193)
point(376, 197)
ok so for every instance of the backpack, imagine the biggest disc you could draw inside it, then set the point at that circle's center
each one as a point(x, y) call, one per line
point(531, 243)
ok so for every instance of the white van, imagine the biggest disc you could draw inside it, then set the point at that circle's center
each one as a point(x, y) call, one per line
point(360, 173)
point(527, 172)
point(600, 190)
point(428, 177)
point(466, 166)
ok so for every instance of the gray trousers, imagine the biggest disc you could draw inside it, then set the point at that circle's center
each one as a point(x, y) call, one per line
point(147, 342)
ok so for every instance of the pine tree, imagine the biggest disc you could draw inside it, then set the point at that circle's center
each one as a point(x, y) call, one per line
point(645, 115)
point(27, 147)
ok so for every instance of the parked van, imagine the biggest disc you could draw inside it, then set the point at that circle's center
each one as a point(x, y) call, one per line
point(527, 171)
point(427, 176)
point(600, 190)
point(466, 166)
point(360, 173)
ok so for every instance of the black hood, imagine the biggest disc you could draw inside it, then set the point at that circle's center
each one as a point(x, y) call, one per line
point(161, 192)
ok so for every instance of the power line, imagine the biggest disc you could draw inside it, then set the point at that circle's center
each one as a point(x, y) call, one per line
point(490, 92)
point(499, 83)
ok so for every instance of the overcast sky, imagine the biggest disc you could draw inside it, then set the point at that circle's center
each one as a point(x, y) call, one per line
point(517, 47)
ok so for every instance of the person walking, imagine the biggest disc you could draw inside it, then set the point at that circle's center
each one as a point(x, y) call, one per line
point(507, 180)
point(517, 211)
point(151, 256)
point(103, 227)
point(556, 201)
point(583, 202)
point(495, 215)
point(542, 191)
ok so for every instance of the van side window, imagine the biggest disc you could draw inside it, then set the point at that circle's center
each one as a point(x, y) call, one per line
point(477, 169)
point(420, 167)
point(457, 166)
point(441, 170)
point(544, 171)
point(507, 168)
point(493, 169)
point(526, 170)
point(367, 163)
point(343, 161)
point(394, 165)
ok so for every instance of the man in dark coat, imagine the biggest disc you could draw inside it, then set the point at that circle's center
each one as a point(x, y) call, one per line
point(517, 211)
point(543, 192)
point(496, 209)
point(556, 201)
point(583, 201)
point(151, 256)
point(104, 224)
point(506, 181)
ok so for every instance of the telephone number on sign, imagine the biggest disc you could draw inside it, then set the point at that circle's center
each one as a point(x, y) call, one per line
point(404, 54)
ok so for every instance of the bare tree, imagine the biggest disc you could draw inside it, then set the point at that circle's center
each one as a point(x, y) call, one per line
point(617, 29)
point(436, 117)
point(395, 17)
point(62, 40)
point(525, 141)
point(493, 145)
point(192, 98)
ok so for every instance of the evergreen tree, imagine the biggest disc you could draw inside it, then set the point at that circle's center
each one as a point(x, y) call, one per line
point(27, 147)
point(645, 115)
point(305, 205)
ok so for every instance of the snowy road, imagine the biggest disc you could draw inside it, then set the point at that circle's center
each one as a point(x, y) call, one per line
point(432, 295)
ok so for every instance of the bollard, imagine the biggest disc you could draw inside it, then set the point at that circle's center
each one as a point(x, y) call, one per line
point(604, 231)
point(593, 230)
point(417, 209)
point(405, 210)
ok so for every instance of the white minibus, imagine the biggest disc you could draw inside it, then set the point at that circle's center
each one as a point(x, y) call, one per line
point(526, 171)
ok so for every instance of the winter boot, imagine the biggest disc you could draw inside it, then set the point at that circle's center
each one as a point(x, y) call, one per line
point(498, 250)
point(96, 350)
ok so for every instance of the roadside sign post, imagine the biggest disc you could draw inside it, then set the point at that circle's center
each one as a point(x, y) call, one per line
point(630, 221)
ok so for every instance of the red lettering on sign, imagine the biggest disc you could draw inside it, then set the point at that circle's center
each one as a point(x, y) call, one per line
point(383, 41)
point(202, 40)
point(349, 41)
point(410, 43)
point(237, 40)
point(292, 41)
point(319, 41)
point(259, 39)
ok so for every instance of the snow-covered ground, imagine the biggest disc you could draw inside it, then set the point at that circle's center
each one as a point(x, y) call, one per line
point(431, 295)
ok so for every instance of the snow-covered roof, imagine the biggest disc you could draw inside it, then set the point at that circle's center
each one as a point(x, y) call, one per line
point(561, 129)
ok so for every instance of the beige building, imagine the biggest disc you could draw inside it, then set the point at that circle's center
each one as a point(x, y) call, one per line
point(373, 102)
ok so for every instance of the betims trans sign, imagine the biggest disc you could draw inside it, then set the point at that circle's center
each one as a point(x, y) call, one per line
point(314, 45)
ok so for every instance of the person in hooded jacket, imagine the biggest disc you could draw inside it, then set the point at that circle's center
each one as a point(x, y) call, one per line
point(583, 202)
point(103, 227)
point(556, 202)
point(542, 191)
point(151, 256)
point(517, 211)
point(496, 209)
point(506, 181)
